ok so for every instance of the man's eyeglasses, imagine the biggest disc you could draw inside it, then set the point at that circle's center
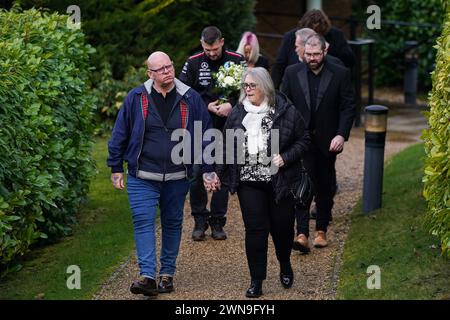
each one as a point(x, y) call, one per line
point(251, 85)
point(314, 54)
point(163, 69)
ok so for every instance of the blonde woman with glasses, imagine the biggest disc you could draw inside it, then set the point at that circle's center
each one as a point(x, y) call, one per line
point(267, 121)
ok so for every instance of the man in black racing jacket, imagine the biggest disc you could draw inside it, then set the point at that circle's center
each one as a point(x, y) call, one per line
point(198, 73)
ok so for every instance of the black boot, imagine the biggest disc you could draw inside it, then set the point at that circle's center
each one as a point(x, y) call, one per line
point(286, 275)
point(198, 234)
point(217, 232)
point(255, 290)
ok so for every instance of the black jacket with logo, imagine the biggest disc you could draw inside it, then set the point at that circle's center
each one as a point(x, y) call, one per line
point(197, 73)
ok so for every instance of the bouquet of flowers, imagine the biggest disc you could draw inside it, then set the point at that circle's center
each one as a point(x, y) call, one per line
point(228, 80)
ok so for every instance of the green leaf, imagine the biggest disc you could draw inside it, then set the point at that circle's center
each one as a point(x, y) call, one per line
point(33, 109)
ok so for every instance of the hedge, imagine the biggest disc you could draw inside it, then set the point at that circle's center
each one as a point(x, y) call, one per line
point(46, 111)
point(437, 143)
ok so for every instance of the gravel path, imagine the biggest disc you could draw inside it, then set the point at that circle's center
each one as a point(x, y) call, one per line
point(218, 269)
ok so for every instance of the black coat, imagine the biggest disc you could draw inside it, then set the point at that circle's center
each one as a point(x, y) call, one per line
point(334, 60)
point(262, 62)
point(339, 47)
point(335, 104)
point(293, 144)
point(287, 56)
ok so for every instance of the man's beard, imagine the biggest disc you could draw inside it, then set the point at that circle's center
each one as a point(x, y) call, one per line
point(214, 58)
point(315, 66)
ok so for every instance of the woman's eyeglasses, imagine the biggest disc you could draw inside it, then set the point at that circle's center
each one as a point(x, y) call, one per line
point(251, 85)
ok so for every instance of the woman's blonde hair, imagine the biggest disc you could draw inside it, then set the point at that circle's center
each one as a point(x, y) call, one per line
point(249, 38)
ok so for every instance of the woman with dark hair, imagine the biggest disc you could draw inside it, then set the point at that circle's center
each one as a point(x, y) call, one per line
point(337, 44)
point(317, 20)
point(271, 139)
point(249, 48)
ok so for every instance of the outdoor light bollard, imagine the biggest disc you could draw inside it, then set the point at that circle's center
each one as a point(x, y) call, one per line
point(411, 69)
point(375, 137)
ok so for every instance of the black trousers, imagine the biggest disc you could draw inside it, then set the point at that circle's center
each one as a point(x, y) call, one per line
point(323, 173)
point(198, 198)
point(263, 216)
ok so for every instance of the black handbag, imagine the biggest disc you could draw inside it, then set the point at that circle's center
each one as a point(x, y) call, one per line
point(303, 189)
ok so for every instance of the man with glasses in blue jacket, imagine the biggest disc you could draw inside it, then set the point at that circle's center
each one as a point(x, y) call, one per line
point(142, 137)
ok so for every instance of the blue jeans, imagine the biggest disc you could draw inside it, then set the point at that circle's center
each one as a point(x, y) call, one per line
point(144, 197)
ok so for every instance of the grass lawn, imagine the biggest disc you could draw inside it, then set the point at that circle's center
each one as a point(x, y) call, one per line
point(394, 239)
point(102, 239)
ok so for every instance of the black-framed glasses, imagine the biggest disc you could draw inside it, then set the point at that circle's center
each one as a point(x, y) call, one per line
point(163, 69)
point(313, 54)
point(250, 85)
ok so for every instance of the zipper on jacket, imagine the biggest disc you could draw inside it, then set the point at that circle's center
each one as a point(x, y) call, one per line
point(142, 136)
point(187, 121)
point(165, 162)
point(167, 130)
point(272, 178)
point(177, 101)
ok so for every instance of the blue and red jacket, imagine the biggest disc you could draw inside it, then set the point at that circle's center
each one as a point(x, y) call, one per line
point(138, 117)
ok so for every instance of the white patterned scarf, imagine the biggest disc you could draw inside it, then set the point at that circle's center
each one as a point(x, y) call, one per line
point(252, 123)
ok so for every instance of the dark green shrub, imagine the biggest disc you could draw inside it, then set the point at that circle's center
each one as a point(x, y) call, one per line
point(125, 32)
point(390, 39)
point(46, 111)
point(437, 144)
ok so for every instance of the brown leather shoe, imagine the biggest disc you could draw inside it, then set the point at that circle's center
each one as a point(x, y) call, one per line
point(320, 241)
point(301, 244)
point(145, 286)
